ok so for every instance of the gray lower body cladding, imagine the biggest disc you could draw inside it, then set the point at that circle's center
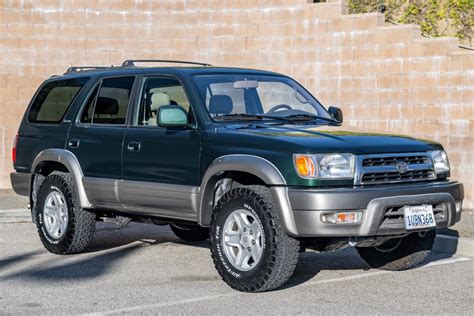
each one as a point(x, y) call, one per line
point(375, 203)
point(21, 183)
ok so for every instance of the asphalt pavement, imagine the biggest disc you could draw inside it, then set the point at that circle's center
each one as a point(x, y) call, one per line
point(145, 269)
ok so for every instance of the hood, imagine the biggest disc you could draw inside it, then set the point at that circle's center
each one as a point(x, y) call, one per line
point(325, 139)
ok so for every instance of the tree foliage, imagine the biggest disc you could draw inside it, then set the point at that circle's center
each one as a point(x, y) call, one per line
point(435, 17)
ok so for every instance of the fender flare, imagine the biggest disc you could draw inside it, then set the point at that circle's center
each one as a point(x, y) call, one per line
point(69, 160)
point(257, 166)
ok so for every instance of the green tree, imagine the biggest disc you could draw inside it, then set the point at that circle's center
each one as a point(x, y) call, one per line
point(435, 17)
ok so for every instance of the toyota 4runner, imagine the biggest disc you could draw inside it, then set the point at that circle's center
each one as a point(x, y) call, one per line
point(247, 159)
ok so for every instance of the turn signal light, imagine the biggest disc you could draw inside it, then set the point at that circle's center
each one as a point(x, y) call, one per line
point(305, 166)
point(341, 217)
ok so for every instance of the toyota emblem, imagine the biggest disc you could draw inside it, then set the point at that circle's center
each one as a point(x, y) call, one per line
point(402, 167)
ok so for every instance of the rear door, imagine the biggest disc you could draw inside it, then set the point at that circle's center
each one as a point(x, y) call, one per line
point(97, 135)
point(161, 165)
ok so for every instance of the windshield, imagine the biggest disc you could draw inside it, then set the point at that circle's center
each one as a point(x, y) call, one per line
point(237, 97)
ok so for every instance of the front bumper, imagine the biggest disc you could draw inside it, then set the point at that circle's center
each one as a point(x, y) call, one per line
point(381, 207)
point(21, 182)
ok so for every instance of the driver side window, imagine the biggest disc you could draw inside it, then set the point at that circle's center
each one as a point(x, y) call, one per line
point(158, 92)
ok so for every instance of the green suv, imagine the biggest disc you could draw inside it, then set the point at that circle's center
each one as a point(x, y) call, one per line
point(248, 159)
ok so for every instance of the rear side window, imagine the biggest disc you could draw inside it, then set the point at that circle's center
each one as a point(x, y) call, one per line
point(108, 104)
point(54, 99)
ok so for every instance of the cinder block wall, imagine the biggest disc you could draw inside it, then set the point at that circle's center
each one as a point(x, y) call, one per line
point(386, 78)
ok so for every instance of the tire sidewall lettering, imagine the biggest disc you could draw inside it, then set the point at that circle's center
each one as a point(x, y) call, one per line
point(219, 243)
point(40, 218)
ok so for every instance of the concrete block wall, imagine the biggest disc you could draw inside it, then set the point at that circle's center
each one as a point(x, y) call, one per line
point(385, 78)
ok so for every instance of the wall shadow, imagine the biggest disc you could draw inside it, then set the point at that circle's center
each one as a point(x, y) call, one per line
point(84, 269)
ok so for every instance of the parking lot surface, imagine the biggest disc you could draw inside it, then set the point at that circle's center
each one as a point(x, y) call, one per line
point(145, 269)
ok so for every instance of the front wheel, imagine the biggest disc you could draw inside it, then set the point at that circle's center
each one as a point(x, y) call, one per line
point(250, 250)
point(399, 253)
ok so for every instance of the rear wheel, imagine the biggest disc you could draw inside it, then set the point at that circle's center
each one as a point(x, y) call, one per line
point(250, 250)
point(190, 233)
point(63, 226)
point(399, 253)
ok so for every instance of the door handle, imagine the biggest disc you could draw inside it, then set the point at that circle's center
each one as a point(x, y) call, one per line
point(73, 143)
point(134, 146)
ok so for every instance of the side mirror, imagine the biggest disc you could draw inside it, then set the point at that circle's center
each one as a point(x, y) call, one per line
point(172, 116)
point(336, 113)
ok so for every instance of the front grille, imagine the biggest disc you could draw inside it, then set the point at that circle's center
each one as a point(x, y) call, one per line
point(394, 168)
point(394, 176)
point(391, 161)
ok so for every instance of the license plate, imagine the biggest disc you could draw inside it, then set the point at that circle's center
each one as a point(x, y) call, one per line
point(420, 216)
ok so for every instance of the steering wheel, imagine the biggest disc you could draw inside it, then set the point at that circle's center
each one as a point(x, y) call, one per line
point(280, 107)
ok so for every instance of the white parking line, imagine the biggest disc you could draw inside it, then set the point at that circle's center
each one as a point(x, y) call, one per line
point(216, 296)
point(164, 304)
point(375, 273)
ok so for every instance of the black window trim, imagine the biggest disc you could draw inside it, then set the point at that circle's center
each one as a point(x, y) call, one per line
point(143, 79)
point(98, 84)
point(73, 100)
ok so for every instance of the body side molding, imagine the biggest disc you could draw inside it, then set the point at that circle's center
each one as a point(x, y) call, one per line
point(69, 160)
point(255, 165)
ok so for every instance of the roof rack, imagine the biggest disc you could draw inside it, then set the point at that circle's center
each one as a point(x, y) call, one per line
point(82, 68)
point(131, 62)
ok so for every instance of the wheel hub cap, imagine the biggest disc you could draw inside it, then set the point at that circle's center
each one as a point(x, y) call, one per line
point(243, 240)
point(55, 214)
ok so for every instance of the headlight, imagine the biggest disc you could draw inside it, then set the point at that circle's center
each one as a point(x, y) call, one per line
point(440, 161)
point(324, 166)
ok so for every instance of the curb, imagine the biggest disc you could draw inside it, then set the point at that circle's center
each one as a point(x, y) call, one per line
point(454, 245)
point(443, 243)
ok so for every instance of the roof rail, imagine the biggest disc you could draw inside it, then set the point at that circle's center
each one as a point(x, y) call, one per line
point(82, 68)
point(131, 62)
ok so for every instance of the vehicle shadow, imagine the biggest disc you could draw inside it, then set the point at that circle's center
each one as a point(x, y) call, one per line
point(311, 263)
point(112, 245)
point(110, 236)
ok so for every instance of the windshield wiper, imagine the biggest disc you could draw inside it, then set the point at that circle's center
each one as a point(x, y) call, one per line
point(238, 116)
point(300, 117)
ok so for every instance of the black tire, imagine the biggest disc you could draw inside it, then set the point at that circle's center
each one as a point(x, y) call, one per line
point(280, 252)
point(80, 225)
point(190, 233)
point(399, 254)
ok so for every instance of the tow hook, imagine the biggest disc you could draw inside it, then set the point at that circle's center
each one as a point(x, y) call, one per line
point(352, 241)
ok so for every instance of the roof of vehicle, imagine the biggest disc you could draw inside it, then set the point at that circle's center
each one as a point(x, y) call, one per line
point(189, 70)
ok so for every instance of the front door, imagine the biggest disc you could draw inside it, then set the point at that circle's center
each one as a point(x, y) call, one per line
point(161, 165)
point(96, 139)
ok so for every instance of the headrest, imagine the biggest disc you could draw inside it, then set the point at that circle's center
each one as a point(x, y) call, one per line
point(220, 104)
point(106, 106)
point(159, 99)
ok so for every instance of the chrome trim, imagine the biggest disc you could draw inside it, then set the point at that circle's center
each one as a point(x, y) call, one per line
point(360, 171)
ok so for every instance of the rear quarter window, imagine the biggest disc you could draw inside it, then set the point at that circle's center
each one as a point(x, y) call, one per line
point(54, 99)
